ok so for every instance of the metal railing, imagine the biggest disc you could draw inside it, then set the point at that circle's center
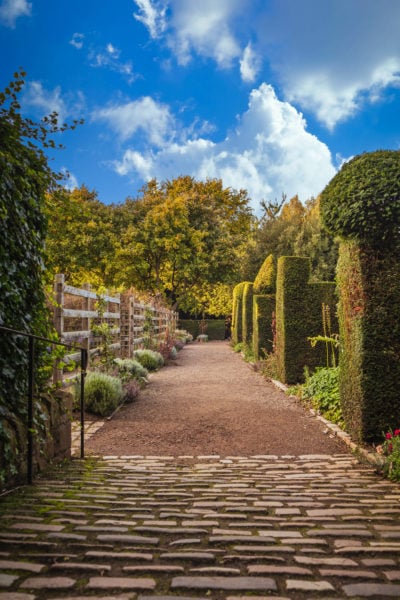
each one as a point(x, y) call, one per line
point(31, 384)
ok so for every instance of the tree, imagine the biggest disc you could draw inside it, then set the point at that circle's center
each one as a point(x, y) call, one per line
point(208, 300)
point(314, 241)
point(292, 229)
point(81, 242)
point(183, 233)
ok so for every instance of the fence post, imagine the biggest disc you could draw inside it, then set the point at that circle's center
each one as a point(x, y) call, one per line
point(59, 283)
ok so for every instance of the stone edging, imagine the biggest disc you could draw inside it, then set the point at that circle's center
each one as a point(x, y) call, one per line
point(362, 454)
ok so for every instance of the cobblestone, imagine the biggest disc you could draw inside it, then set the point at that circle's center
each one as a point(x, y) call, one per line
point(272, 527)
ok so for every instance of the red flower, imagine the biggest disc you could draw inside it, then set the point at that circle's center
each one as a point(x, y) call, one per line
point(389, 436)
point(397, 432)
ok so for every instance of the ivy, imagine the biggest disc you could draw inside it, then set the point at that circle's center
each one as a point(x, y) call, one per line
point(25, 177)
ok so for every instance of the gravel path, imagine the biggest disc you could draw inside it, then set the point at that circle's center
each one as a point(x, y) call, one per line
point(211, 402)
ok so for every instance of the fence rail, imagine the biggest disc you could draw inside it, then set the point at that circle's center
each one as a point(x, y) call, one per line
point(77, 308)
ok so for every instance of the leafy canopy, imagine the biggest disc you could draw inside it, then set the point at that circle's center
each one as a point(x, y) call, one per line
point(180, 234)
point(362, 202)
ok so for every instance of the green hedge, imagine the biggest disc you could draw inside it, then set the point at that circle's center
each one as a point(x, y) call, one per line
point(362, 205)
point(247, 313)
point(265, 281)
point(237, 312)
point(369, 318)
point(362, 202)
point(263, 309)
point(299, 316)
point(215, 328)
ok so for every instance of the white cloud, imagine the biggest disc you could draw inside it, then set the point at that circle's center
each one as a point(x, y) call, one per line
point(250, 64)
point(268, 153)
point(350, 58)
point(204, 27)
point(77, 40)
point(47, 101)
point(10, 10)
point(143, 115)
point(109, 58)
point(44, 100)
point(152, 14)
point(134, 161)
point(352, 55)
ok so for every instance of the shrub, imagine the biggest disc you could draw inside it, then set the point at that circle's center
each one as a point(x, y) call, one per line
point(322, 390)
point(269, 366)
point(131, 390)
point(150, 359)
point(130, 367)
point(183, 335)
point(164, 346)
point(391, 449)
point(103, 393)
point(173, 355)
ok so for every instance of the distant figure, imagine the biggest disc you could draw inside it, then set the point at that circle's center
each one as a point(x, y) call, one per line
point(228, 324)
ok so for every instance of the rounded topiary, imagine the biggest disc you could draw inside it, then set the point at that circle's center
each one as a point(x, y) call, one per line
point(362, 202)
point(265, 281)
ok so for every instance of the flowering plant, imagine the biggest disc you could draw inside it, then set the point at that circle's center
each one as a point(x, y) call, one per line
point(391, 449)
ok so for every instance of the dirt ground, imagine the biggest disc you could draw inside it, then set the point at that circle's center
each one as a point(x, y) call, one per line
point(209, 401)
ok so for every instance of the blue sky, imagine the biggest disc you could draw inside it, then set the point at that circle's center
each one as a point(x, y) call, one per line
point(268, 95)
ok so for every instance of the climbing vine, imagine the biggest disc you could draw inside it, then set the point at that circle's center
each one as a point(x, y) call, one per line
point(25, 177)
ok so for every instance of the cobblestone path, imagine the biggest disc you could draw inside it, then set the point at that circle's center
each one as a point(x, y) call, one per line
point(291, 527)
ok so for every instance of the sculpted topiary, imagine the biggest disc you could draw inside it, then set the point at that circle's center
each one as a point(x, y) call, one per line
point(265, 281)
point(362, 202)
point(362, 205)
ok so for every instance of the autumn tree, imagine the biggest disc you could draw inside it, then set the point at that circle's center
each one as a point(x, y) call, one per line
point(183, 233)
point(81, 242)
point(290, 228)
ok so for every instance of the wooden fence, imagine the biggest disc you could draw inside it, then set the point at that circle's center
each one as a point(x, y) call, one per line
point(130, 322)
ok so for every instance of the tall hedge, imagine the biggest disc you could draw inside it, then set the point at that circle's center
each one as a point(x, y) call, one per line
point(237, 313)
point(263, 309)
point(362, 205)
point(299, 316)
point(265, 281)
point(247, 313)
